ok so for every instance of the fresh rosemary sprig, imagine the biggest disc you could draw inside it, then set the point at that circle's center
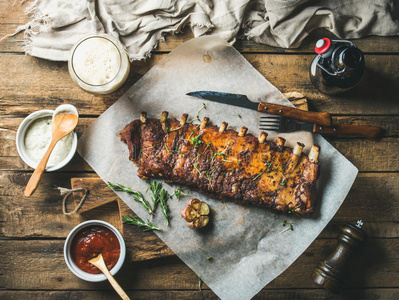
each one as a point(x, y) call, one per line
point(163, 197)
point(290, 226)
point(159, 197)
point(155, 188)
point(237, 115)
point(139, 223)
point(199, 284)
point(137, 196)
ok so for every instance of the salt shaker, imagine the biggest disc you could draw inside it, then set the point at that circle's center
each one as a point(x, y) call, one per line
point(338, 66)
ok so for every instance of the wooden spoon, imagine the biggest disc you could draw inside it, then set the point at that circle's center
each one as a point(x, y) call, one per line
point(99, 262)
point(62, 124)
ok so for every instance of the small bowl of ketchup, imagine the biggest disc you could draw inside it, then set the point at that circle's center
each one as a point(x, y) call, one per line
point(89, 239)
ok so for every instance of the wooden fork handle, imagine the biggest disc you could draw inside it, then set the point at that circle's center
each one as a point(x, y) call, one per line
point(37, 174)
point(369, 132)
point(322, 118)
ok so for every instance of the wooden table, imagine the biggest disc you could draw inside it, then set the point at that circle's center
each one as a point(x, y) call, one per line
point(33, 230)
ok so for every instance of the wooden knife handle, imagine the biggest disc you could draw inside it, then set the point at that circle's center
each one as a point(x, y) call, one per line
point(369, 132)
point(322, 118)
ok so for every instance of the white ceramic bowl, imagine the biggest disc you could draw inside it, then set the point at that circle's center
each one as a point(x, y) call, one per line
point(75, 269)
point(20, 140)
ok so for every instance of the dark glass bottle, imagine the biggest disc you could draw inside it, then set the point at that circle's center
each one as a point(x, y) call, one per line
point(338, 66)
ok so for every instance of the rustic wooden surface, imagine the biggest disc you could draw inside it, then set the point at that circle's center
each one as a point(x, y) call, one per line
point(33, 230)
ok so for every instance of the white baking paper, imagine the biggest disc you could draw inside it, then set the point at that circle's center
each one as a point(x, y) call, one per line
point(245, 243)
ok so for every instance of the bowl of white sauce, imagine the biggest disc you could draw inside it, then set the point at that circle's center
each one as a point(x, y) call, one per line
point(34, 136)
point(99, 63)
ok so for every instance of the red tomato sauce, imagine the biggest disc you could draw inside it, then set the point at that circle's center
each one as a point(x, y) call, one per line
point(91, 241)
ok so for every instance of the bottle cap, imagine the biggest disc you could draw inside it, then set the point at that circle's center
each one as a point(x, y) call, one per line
point(322, 45)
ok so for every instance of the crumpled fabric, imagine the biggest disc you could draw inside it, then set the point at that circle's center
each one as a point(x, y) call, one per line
point(55, 25)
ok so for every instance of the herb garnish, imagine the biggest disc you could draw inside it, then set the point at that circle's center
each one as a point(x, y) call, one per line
point(196, 167)
point(208, 257)
point(136, 221)
point(178, 193)
point(290, 226)
point(258, 175)
point(138, 196)
point(195, 139)
point(292, 210)
point(199, 284)
point(168, 130)
point(155, 188)
point(197, 117)
point(237, 115)
point(163, 197)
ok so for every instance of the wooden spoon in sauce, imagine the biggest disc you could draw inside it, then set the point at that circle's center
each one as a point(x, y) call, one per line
point(62, 124)
point(99, 262)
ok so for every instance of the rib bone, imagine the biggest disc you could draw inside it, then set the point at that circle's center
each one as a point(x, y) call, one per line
point(294, 158)
point(280, 144)
point(143, 117)
point(262, 137)
point(204, 121)
point(314, 154)
point(243, 131)
point(163, 119)
point(223, 127)
point(183, 119)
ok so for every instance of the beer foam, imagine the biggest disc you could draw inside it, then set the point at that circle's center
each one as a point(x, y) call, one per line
point(96, 61)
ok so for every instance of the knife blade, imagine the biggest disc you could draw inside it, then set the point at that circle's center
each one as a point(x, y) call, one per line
point(290, 125)
point(322, 118)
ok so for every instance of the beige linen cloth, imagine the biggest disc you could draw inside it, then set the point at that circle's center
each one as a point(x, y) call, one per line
point(56, 25)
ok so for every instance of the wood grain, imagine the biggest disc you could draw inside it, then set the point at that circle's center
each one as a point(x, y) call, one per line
point(204, 294)
point(33, 231)
point(375, 95)
point(40, 263)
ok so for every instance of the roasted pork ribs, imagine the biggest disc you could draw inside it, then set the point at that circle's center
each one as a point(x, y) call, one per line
point(223, 163)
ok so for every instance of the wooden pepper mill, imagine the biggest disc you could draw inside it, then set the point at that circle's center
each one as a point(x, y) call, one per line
point(328, 273)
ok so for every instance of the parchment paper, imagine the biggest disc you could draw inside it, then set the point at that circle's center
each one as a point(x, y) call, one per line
point(246, 248)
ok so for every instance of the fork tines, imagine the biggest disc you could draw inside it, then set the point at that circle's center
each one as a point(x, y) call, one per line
point(270, 123)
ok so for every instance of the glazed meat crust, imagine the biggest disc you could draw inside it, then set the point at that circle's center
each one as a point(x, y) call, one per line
point(223, 163)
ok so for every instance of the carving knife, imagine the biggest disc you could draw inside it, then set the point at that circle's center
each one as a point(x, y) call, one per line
point(321, 118)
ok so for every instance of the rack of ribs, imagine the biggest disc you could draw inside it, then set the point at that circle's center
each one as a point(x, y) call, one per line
point(223, 163)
